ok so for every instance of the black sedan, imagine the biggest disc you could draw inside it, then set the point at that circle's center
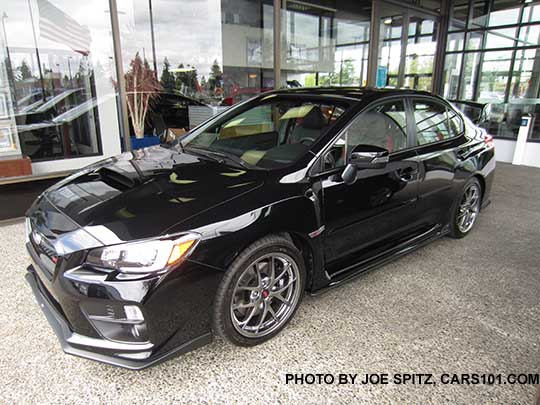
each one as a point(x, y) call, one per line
point(151, 253)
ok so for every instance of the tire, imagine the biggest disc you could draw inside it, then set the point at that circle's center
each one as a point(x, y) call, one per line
point(466, 209)
point(245, 294)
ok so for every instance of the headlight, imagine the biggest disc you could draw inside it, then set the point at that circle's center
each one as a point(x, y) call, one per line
point(151, 256)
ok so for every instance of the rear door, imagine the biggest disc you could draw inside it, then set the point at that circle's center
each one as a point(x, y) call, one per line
point(438, 135)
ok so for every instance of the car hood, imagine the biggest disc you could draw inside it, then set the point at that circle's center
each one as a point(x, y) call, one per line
point(144, 193)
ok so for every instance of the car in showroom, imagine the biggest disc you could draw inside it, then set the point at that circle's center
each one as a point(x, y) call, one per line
point(221, 232)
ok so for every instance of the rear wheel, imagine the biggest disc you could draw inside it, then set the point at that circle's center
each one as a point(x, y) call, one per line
point(467, 209)
point(260, 293)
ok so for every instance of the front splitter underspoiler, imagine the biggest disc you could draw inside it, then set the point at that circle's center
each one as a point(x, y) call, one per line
point(65, 335)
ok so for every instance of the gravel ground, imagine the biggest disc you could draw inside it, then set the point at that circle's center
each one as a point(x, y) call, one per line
point(455, 306)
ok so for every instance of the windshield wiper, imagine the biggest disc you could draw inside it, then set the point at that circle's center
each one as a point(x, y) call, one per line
point(222, 156)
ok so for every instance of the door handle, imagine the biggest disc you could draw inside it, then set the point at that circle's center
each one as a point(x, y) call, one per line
point(407, 174)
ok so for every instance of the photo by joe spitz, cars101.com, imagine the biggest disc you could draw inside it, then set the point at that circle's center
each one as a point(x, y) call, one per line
point(151, 253)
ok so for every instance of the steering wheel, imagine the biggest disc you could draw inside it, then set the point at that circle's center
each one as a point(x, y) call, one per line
point(311, 140)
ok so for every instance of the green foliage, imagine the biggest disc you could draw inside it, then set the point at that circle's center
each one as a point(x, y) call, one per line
point(186, 80)
point(344, 76)
point(167, 78)
point(24, 71)
point(215, 76)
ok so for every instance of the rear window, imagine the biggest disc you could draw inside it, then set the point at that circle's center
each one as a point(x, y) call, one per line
point(435, 122)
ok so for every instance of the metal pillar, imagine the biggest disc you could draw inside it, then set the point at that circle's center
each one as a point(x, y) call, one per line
point(120, 83)
point(277, 44)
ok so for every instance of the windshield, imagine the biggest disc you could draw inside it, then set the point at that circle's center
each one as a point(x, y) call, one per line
point(272, 134)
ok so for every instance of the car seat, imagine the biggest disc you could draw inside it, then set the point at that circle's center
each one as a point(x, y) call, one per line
point(309, 127)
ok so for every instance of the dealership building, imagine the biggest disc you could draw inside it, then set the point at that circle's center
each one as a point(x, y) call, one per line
point(63, 63)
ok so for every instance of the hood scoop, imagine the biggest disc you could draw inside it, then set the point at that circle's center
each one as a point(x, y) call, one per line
point(119, 179)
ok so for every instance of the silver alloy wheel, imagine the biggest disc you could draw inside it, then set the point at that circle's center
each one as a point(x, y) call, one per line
point(265, 295)
point(468, 208)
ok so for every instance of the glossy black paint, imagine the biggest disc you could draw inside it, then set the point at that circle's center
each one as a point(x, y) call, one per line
point(342, 230)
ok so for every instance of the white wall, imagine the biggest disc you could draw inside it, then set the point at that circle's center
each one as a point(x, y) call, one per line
point(504, 152)
point(531, 157)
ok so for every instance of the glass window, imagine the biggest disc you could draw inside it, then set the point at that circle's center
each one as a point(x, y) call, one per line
point(458, 15)
point(384, 125)
point(479, 12)
point(455, 42)
point(452, 67)
point(494, 74)
point(59, 68)
point(474, 40)
point(470, 72)
point(435, 122)
point(217, 52)
point(531, 14)
point(325, 44)
point(503, 38)
point(526, 79)
point(270, 134)
point(507, 79)
point(420, 56)
point(529, 35)
point(504, 12)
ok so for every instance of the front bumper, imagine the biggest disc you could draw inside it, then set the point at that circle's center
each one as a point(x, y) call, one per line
point(114, 353)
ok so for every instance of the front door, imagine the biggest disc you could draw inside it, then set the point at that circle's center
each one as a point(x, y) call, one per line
point(379, 207)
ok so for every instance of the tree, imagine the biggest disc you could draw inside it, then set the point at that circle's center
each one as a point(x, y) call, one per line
point(24, 70)
point(186, 78)
point(216, 76)
point(142, 88)
point(167, 78)
point(344, 76)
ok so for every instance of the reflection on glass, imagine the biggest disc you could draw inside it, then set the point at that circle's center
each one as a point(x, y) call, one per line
point(479, 12)
point(270, 134)
point(503, 38)
point(325, 45)
point(59, 60)
point(420, 55)
point(470, 71)
point(411, 67)
point(504, 12)
point(458, 15)
point(529, 35)
point(512, 87)
point(531, 14)
point(474, 40)
point(455, 42)
point(494, 75)
point(452, 66)
point(526, 77)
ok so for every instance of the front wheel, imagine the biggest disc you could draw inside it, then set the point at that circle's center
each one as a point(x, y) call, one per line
point(260, 293)
point(467, 209)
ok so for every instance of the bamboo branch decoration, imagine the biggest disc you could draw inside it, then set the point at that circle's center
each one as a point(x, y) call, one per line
point(142, 88)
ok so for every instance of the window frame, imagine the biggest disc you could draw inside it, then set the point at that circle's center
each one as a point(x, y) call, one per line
point(448, 106)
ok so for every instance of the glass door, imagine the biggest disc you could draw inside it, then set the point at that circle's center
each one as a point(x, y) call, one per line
point(407, 46)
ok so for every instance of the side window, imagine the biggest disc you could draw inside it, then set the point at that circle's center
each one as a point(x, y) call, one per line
point(384, 125)
point(435, 122)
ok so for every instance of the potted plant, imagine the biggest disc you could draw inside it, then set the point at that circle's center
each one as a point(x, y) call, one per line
point(142, 88)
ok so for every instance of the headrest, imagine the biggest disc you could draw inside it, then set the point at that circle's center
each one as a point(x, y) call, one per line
point(314, 119)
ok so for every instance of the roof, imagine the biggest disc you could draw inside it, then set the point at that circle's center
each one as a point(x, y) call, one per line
point(357, 93)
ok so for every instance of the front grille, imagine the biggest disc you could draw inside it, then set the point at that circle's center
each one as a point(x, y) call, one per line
point(48, 249)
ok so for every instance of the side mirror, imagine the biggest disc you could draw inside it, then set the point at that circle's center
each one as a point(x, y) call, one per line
point(364, 157)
